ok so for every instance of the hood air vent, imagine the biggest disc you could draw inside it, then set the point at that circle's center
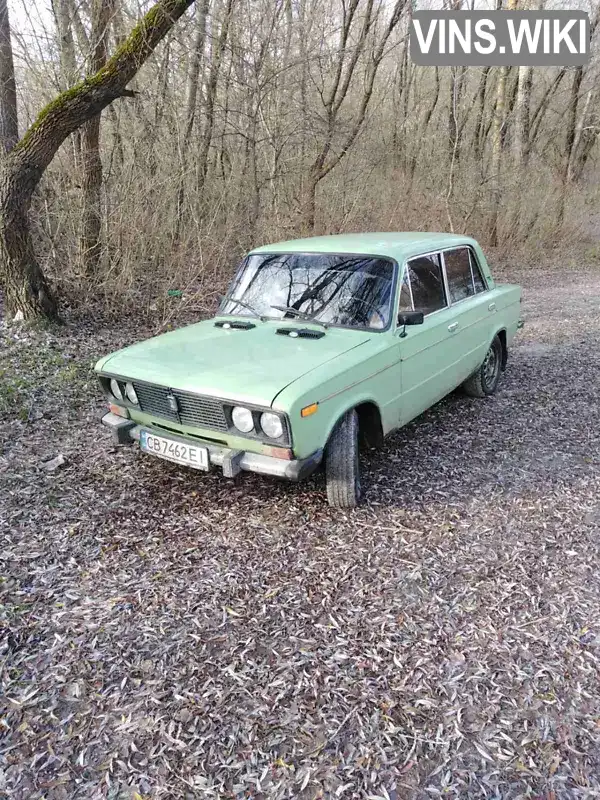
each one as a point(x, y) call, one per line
point(300, 333)
point(238, 326)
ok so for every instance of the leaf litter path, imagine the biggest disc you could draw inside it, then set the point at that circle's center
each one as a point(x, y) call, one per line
point(171, 635)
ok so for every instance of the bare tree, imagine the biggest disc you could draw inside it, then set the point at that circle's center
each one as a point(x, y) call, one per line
point(333, 97)
point(9, 126)
point(271, 118)
point(191, 101)
point(211, 92)
point(479, 120)
point(498, 121)
point(64, 15)
point(25, 286)
point(91, 161)
point(573, 129)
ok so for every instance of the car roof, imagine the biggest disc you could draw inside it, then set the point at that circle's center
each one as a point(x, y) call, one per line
point(397, 245)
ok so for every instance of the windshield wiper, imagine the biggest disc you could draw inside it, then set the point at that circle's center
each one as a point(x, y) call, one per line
point(300, 314)
point(245, 305)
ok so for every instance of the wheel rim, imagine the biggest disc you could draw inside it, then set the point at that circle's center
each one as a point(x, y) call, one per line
point(490, 366)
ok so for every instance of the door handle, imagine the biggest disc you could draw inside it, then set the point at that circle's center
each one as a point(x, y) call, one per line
point(492, 307)
point(453, 327)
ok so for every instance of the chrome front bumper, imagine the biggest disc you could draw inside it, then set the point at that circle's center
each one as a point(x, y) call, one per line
point(232, 462)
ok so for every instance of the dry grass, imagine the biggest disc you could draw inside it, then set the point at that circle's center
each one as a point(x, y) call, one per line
point(171, 635)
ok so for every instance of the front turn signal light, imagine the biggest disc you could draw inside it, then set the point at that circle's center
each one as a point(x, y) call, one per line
point(307, 411)
point(118, 410)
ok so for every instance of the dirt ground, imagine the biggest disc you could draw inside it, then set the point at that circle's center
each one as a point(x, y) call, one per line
point(166, 634)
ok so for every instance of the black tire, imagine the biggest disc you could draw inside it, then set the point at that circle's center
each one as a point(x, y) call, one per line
point(484, 382)
point(342, 466)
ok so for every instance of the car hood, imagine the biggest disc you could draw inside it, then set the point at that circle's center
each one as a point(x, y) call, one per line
point(251, 366)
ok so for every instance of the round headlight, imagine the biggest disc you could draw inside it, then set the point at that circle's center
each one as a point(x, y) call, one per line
point(130, 392)
point(116, 389)
point(242, 419)
point(271, 425)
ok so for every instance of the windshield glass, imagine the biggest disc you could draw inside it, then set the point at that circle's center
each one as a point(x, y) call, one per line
point(353, 291)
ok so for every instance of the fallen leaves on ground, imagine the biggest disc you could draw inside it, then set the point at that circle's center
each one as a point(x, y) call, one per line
point(169, 634)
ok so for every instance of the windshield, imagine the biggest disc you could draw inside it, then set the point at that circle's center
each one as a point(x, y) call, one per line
point(352, 291)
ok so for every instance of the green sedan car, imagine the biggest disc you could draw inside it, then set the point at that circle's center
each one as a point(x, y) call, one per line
point(321, 345)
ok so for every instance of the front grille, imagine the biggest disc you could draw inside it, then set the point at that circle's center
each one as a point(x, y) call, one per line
point(192, 410)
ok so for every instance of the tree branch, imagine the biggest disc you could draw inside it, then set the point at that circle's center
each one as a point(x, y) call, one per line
point(77, 105)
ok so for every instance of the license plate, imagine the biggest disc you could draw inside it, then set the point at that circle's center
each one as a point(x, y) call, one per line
point(172, 450)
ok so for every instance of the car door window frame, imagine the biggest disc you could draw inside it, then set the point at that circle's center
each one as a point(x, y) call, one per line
point(472, 260)
point(475, 260)
point(405, 274)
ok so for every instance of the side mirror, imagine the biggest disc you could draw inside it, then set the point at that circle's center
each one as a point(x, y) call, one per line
point(409, 318)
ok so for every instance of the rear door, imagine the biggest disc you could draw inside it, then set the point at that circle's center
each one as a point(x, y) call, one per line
point(472, 305)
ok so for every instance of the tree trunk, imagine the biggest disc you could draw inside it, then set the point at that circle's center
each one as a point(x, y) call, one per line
point(412, 164)
point(457, 77)
point(191, 96)
point(572, 134)
point(522, 123)
point(309, 215)
point(25, 287)
point(91, 221)
point(542, 107)
point(569, 141)
point(9, 127)
point(478, 129)
point(24, 284)
point(587, 133)
point(497, 125)
point(456, 83)
point(211, 93)
point(65, 16)
point(69, 72)
point(497, 122)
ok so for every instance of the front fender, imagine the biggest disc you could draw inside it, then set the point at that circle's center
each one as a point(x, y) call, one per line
point(313, 432)
point(336, 413)
point(354, 378)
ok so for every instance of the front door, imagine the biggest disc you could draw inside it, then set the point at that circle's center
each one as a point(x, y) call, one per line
point(430, 357)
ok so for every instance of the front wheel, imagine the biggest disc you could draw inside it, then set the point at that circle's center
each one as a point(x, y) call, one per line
point(342, 467)
point(484, 382)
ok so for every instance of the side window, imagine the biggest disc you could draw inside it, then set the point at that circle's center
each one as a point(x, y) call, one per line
point(427, 283)
point(405, 295)
point(458, 273)
point(478, 281)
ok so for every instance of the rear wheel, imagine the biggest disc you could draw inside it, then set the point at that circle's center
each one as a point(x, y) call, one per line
point(484, 382)
point(342, 467)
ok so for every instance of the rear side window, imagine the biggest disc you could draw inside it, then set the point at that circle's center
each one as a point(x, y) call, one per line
point(478, 281)
point(459, 274)
point(427, 283)
point(463, 273)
